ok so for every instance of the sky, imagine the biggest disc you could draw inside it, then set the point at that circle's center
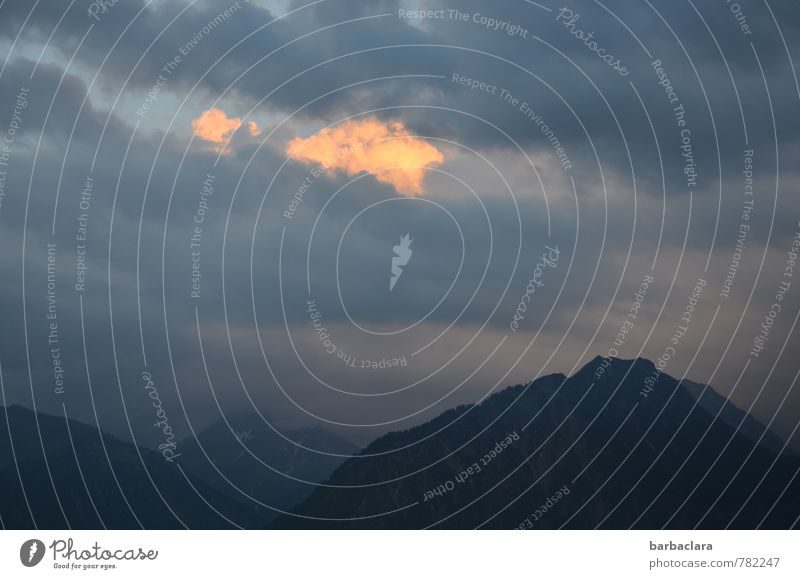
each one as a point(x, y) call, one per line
point(360, 214)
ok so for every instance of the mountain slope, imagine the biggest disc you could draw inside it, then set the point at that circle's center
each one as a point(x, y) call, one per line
point(595, 455)
point(733, 416)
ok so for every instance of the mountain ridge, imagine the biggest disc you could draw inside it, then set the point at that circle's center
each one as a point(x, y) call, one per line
point(592, 446)
point(638, 445)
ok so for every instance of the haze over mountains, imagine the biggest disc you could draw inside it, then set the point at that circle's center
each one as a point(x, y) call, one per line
point(244, 456)
point(584, 451)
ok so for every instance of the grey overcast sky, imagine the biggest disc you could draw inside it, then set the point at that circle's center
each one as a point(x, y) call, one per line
point(215, 193)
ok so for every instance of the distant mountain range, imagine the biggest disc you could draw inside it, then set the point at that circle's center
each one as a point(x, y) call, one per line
point(63, 474)
point(69, 482)
point(244, 457)
point(616, 445)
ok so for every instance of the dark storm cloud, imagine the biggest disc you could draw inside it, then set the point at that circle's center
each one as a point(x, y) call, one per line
point(594, 228)
point(597, 100)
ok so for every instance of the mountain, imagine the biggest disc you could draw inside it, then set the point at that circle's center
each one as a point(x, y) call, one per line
point(617, 445)
point(275, 468)
point(61, 474)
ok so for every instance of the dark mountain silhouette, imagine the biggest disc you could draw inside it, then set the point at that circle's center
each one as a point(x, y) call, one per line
point(597, 453)
point(580, 452)
point(58, 475)
point(243, 456)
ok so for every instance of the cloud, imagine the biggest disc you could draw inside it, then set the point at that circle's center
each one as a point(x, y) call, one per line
point(216, 127)
point(253, 129)
point(677, 230)
point(386, 150)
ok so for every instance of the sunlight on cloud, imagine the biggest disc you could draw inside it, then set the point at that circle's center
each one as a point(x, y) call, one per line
point(386, 150)
point(253, 129)
point(216, 127)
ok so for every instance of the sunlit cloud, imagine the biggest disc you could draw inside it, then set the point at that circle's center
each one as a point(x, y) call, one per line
point(216, 127)
point(253, 129)
point(386, 150)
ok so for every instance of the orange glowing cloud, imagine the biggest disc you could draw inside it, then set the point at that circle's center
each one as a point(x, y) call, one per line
point(253, 129)
point(216, 127)
point(386, 150)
